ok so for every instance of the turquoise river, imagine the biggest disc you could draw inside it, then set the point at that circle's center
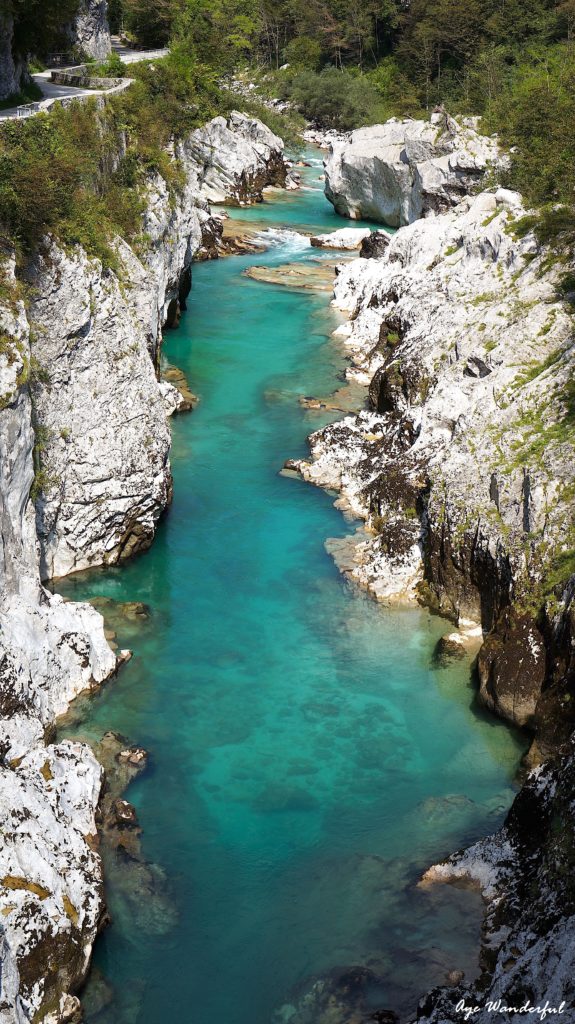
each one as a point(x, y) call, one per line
point(307, 761)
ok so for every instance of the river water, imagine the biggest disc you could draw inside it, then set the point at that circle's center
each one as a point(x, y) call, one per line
point(307, 761)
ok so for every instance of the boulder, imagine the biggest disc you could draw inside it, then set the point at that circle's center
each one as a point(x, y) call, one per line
point(345, 238)
point(399, 171)
point(374, 245)
point(238, 156)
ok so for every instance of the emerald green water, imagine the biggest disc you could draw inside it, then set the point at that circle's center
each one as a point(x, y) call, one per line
point(307, 761)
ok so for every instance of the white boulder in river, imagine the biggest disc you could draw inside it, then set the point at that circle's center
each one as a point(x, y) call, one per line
point(402, 170)
point(345, 238)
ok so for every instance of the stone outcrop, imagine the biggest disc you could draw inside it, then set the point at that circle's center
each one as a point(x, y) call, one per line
point(84, 477)
point(462, 474)
point(399, 171)
point(90, 31)
point(237, 157)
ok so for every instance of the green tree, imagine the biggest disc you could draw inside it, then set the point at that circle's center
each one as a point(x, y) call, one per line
point(39, 25)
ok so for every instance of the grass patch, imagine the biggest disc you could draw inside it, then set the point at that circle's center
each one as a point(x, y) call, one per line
point(534, 370)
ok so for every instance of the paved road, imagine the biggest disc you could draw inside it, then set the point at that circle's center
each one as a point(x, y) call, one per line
point(52, 92)
point(129, 56)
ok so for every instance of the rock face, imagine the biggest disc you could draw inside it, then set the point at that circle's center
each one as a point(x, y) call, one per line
point(50, 878)
point(402, 170)
point(90, 31)
point(11, 70)
point(50, 881)
point(238, 157)
point(512, 668)
point(84, 477)
point(106, 473)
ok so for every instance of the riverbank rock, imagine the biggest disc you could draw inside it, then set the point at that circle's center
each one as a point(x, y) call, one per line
point(458, 332)
point(404, 169)
point(324, 137)
point(51, 890)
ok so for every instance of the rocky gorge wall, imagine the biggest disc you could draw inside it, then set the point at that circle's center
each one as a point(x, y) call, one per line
point(84, 478)
point(462, 467)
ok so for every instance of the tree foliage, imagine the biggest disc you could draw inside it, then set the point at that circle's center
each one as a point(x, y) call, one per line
point(39, 25)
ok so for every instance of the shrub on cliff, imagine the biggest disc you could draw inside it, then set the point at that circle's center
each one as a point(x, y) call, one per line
point(59, 172)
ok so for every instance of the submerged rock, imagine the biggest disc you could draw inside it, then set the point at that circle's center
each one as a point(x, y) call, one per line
point(344, 996)
point(448, 649)
point(50, 879)
point(185, 398)
point(316, 277)
point(107, 477)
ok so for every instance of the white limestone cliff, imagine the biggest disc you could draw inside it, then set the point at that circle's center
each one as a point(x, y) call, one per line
point(404, 169)
point(462, 467)
point(468, 354)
